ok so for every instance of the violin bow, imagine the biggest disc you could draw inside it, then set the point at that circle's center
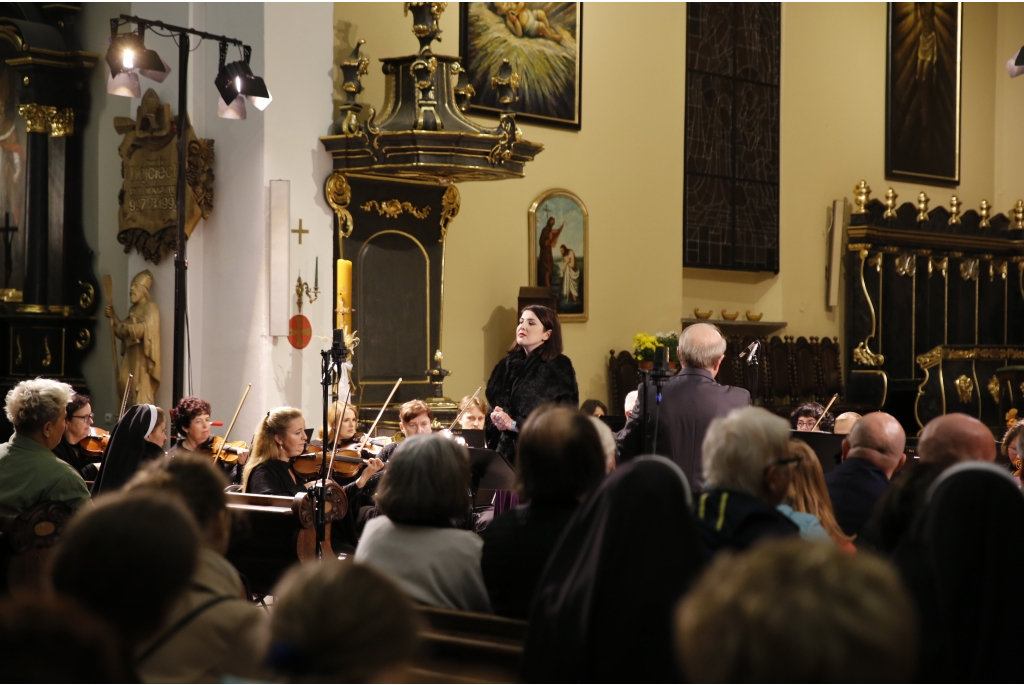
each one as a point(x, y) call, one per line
point(464, 409)
point(337, 429)
point(829, 406)
point(366, 436)
point(231, 425)
point(124, 400)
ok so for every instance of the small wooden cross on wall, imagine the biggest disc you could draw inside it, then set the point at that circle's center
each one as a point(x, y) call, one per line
point(300, 231)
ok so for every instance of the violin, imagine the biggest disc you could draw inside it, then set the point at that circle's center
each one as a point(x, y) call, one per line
point(95, 443)
point(228, 451)
point(346, 463)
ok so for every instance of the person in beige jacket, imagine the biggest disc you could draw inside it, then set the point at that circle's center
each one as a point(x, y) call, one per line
point(213, 630)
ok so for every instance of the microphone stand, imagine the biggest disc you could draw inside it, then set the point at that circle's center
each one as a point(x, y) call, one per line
point(751, 356)
point(330, 364)
point(657, 376)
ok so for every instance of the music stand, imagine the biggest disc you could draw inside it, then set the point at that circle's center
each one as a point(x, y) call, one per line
point(489, 470)
point(473, 438)
point(828, 446)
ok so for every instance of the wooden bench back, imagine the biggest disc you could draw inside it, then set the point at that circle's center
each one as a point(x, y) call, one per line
point(460, 646)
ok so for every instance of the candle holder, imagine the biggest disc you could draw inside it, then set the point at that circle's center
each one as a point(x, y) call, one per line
point(302, 287)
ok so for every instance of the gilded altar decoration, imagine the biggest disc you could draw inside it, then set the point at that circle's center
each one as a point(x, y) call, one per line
point(865, 357)
point(922, 207)
point(954, 211)
point(148, 215)
point(339, 193)
point(139, 334)
point(1017, 216)
point(37, 117)
point(969, 269)
point(450, 204)
point(862, 195)
point(906, 264)
point(393, 209)
point(890, 204)
point(984, 212)
point(993, 388)
point(965, 389)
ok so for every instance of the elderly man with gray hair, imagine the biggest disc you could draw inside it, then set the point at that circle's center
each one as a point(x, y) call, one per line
point(691, 400)
point(748, 470)
point(30, 473)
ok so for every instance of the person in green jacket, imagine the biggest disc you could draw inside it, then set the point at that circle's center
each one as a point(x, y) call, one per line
point(30, 473)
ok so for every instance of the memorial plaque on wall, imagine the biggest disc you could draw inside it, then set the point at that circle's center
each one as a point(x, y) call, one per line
point(731, 193)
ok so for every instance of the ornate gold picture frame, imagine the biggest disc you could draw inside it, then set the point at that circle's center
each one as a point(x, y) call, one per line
point(560, 251)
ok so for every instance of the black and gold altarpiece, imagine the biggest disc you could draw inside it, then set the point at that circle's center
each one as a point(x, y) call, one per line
point(49, 293)
point(934, 308)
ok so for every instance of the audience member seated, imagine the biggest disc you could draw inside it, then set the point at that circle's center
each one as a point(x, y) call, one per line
point(748, 470)
point(78, 419)
point(603, 611)
point(805, 418)
point(871, 454)
point(961, 562)
point(128, 560)
point(608, 444)
point(594, 408)
point(791, 611)
point(137, 438)
point(424, 487)
point(54, 640)
point(30, 473)
point(476, 412)
point(414, 418)
point(559, 460)
point(341, 622)
point(211, 631)
point(1008, 447)
point(808, 496)
point(845, 422)
point(944, 442)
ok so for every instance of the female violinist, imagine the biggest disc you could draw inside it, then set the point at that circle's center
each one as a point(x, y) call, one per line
point(535, 372)
point(79, 425)
point(280, 437)
point(192, 421)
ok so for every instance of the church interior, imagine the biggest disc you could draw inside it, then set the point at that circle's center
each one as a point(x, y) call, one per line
point(792, 268)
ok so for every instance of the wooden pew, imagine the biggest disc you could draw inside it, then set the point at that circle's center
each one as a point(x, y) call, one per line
point(25, 543)
point(459, 646)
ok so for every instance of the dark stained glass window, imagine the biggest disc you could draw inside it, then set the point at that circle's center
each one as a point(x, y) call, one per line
point(731, 194)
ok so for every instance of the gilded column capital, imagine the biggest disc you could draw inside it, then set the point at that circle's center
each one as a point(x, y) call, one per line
point(62, 122)
point(37, 117)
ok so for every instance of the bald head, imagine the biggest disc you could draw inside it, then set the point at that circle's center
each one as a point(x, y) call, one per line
point(701, 346)
point(953, 438)
point(879, 439)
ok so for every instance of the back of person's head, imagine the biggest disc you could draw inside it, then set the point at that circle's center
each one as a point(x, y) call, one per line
point(590, 406)
point(264, 445)
point(32, 404)
point(200, 485)
point(426, 482)
point(127, 560)
point(845, 422)
point(701, 345)
point(878, 438)
point(954, 438)
point(47, 639)
point(559, 457)
point(809, 493)
point(795, 611)
point(608, 444)
point(339, 621)
point(740, 446)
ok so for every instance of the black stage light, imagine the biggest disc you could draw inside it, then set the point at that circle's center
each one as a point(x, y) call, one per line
point(236, 79)
point(128, 51)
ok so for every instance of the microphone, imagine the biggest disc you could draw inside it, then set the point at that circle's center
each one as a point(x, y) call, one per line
point(751, 352)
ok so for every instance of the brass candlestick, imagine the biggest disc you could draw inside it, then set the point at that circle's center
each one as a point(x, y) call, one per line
point(302, 287)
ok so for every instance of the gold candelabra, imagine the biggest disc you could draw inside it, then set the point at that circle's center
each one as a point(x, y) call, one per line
point(302, 288)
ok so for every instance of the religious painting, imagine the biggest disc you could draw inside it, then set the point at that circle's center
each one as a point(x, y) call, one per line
point(12, 185)
point(559, 229)
point(922, 124)
point(542, 41)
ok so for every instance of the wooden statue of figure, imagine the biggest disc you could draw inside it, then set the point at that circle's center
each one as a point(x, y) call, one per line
point(140, 342)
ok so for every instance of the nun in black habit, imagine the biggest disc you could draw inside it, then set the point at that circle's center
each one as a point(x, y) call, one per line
point(604, 605)
point(129, 448)
point(962, 562)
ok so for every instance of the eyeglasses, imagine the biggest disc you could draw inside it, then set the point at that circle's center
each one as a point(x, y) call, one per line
point(808, 424)
point(83, 416)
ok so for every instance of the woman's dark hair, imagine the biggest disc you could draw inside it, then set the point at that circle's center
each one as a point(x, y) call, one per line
point(189, 408)
point(813, 410)
point(128, 560)
point(192, 477)
point(46, 639)
point(558, 456)
point(78, 401)
point(426, 482)
point(552, 347)
point(589, 406)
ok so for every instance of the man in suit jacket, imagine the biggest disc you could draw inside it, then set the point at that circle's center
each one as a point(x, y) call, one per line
point(691, 400)
point(872, 453)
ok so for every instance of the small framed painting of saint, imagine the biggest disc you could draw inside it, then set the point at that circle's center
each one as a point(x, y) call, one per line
point(559, 232)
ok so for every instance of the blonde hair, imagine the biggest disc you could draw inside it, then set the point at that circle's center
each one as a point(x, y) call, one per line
point(468, 402)
point(332, 418)
point(808, 492)
point(30, 405)
point(264, 447)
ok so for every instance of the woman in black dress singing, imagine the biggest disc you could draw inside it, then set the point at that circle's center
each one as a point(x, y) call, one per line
point(533, 373)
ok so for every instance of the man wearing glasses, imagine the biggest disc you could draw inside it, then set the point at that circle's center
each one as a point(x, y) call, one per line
point(79, 421)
